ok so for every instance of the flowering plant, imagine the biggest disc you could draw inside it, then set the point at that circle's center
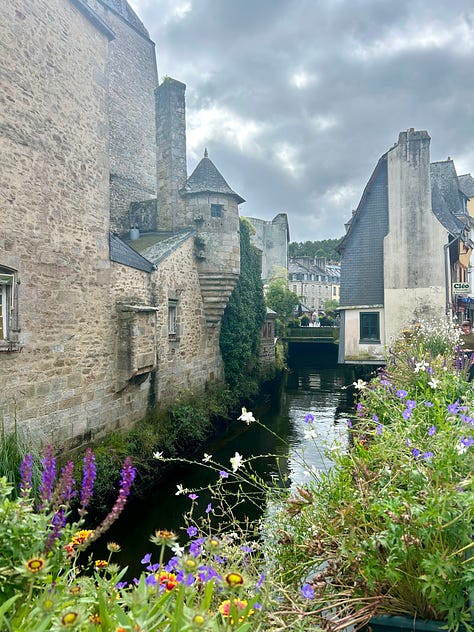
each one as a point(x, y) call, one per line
point(389, 528)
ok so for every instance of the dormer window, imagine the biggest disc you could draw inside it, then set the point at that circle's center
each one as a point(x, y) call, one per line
point(216, 210)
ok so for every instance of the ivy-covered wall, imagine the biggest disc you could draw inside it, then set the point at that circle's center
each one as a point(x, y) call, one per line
point(244, 315)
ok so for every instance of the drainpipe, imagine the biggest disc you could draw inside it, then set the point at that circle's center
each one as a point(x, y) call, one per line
point(447, 276)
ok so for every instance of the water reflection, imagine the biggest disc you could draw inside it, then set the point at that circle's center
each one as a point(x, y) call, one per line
point(309, 388)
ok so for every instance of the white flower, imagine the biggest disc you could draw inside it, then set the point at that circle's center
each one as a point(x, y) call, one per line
point(434, 383)
point(246, 416)
point(177, 549)
point(360, 384)
point(310, 434)
point(158, 455)
point(207, 457)
point(461, 448)
point(181, 490)
point(236, 461)
point(421, 366)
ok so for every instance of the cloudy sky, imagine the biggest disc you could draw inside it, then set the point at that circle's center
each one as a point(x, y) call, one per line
point(297, 99)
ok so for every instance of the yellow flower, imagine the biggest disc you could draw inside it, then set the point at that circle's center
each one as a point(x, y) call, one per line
point(234, 579)
point(100, 563)
point(69, 618)
point(35, 565)
point(113, 547)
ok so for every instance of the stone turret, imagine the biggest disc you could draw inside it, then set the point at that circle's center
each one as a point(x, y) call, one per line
point(212, 207)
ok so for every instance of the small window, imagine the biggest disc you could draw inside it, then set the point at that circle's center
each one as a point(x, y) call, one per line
point(6, 305)
point(369, 327)
point(172, 317)
point(216, 210)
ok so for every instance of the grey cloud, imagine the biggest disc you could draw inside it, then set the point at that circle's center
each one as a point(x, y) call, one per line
point(240, 56)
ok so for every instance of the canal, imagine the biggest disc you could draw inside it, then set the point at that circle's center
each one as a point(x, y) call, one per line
point(314, 385)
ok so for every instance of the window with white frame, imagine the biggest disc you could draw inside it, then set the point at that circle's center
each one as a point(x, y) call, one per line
point(172, 318)
point(6, 304)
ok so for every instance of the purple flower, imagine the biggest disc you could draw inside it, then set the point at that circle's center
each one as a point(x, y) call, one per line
point(209, 508)
point(467, 441)
point(151, 580)
point(349, 423)
point(260, 581)
point(193, 496)
point(206, 573)
point(191, 531)
point(195, 548)
point(89, 474)
point(58, 523)
point(468, 420)
point(432, 430)
point(121, 585)
point(374, 417)
point(401, 393)
point(26, 475)
point(360, 410)
point(427, 455)
point(406, 413)
point(48, 476)
point(128, 473)
point(307, 591)
point(416, 453)
point(224, 474)
point(246, 549)
point(379, 429)
point(454, 408)
point(410, 403)
point(171, 565)
point(385, 383)
point(309, 418)
point(407, 442)
point(429, 404)
point(65, 488)
point(146, 559)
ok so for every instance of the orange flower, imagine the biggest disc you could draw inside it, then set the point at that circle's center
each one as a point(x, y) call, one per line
point(95, 619)
point(239, 604)
point(101, 564)
point(168, 580)
point(234, 579)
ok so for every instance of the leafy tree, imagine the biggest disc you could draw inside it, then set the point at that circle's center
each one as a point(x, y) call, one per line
point(281, 300)
point(244, 314)
point(322, 248)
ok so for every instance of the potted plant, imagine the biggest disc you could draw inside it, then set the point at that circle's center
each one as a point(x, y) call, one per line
point(384, 538)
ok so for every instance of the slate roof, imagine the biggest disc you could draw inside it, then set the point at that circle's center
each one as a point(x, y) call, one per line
point(466, 184)
point(120, 252)
point(447, 200)
point(206, 178)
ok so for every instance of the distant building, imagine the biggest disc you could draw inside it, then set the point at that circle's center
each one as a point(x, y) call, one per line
point(271, 238)
point(314, 281)
point(406, 243)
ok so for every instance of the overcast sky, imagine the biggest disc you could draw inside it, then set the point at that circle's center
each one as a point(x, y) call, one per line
point(297, 99)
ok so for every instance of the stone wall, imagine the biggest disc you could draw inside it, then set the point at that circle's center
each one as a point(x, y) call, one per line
point(131, 80)
point(271, 237)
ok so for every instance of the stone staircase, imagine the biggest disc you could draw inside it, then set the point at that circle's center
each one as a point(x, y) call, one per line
point(215, 291)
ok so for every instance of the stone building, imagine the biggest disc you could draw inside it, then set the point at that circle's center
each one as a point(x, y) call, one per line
point(95, 333)
point(271, 238)
point(405, 245)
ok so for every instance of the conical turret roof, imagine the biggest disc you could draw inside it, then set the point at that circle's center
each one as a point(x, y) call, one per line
point(206, 178)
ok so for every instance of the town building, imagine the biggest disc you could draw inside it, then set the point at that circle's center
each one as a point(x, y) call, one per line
point(407, 243)
point(115, 266)
point(314, 281)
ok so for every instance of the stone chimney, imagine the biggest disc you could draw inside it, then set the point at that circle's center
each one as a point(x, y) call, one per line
point(171, 153)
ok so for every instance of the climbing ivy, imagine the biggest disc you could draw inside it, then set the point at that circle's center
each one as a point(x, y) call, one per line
point(244, 315)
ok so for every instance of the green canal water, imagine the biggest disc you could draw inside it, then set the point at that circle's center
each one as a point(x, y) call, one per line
point(314, 385)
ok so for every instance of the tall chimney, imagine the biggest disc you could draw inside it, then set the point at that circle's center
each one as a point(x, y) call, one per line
point(171, 153)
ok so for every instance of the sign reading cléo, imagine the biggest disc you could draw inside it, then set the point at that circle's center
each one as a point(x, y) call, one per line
point(461, 288)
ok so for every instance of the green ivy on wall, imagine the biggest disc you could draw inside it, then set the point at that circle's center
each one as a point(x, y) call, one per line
point(244, 315)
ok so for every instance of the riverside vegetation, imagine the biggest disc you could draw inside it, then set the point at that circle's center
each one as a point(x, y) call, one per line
point(386, 529)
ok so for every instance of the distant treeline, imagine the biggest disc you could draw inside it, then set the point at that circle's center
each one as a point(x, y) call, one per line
point(323, 248)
